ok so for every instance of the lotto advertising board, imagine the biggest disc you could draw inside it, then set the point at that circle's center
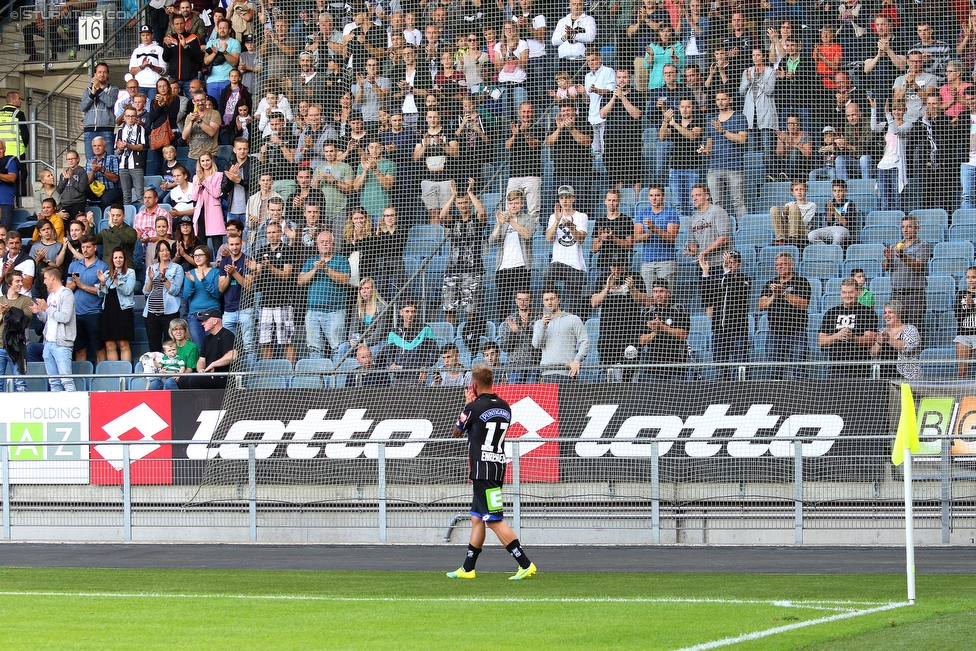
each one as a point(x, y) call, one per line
point(326, 439)
point(718, 431)
point(135, 416)
point(61, 419)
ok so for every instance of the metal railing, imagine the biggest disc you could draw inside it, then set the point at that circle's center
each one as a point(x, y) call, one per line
point(63, 112)
point(934, 372)
point(652, 505)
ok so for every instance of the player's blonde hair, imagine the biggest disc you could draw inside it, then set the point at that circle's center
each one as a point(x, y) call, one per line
point(482, 376)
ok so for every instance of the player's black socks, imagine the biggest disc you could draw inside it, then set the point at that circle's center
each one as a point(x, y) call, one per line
point(471, 558)
point(515, 549)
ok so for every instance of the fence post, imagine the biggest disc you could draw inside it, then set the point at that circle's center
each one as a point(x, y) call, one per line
point(516, 490)
point(655, 495)
point(798, 489)
point(946, 467)
point(126, 494)
point(252, 493)
point(381, 488)
point(5, 473)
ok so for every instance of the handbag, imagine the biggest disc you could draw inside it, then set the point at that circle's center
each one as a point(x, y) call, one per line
point(160, 136)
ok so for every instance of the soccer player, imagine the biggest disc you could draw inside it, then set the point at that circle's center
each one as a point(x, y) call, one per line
point(485, 419)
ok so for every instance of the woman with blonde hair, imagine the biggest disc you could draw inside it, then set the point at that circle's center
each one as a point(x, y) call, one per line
point(367, 323)
point(357, 245)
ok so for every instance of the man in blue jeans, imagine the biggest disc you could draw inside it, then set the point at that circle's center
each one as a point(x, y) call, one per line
point(57, 313)
point(87, 306)
point(786, 299)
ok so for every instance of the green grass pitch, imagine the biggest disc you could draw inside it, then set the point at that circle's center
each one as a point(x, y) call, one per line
point(104, 609)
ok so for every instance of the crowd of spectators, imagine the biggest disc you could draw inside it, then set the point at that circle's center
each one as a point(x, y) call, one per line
point(272, 158)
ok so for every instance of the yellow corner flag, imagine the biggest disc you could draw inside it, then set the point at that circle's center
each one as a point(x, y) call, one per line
point(907, 435)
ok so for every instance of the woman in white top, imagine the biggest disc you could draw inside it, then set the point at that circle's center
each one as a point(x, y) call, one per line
point(181, 194)
point(511, 61)
point(893, 166)
point(473, 63)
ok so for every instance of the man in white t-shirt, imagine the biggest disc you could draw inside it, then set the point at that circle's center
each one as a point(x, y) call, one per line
point(567, 230)
point(599, 81)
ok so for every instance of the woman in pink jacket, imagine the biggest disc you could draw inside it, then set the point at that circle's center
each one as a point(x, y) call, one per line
point(208, 217)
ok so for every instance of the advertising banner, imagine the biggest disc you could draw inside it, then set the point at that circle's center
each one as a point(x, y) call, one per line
point(946, 430)
point(62, 418)
point(131, 416)
point(324, 438)
point(717, 431)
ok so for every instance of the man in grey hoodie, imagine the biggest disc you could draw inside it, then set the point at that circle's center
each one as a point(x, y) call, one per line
point(562, 339)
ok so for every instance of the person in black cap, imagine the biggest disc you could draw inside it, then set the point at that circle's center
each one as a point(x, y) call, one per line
point(666, 336)
point(217, 354)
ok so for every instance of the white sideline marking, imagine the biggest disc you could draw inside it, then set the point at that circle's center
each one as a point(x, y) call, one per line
point(745, 637)
point(846, 607)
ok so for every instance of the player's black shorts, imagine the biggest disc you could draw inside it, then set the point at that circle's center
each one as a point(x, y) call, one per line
point(487, 502)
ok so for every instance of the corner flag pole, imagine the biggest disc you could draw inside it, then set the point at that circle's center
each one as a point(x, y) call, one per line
point(909, 528)
point(906, 442)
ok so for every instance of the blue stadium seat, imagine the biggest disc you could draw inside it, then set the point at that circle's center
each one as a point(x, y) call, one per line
point(819, 187)
point(872, 268)
point(938, 300)
point(423, 248)
point(935, 372)
point(755, 220)
point(865, 202)
point(945, 266)
point(862, 186)
point(110, 367)
point(832, 286)
point(39, 384)
point(130, 214)
point(865, 252)
point(426, 232)
point(270, 374)
point(932, 233)
point(322, 378)
point(880, 284)
point(443, 332)
point(756, 237)
point(138, 383)
point(82, 368)
point(108, 384)
point(153, 181)
point(957, 249)
point(940, 328)
point(491, 201)
point(962, 232)
point(593, 331)
point(833, 252)
point(880, 234)
point(820, 269)
point(964, 217)
point(884, 217)
point(931, 216)
point(21, 216)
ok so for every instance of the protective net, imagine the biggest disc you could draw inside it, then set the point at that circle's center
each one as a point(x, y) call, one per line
point(642, 216)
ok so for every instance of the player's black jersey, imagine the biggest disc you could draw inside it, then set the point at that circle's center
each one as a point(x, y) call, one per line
point(485, 421)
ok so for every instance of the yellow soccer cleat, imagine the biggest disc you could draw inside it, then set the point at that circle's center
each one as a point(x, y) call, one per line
point(460, 573)
point(524, 573)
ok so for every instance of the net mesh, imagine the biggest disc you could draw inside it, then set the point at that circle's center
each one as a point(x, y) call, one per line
point(436, 167)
